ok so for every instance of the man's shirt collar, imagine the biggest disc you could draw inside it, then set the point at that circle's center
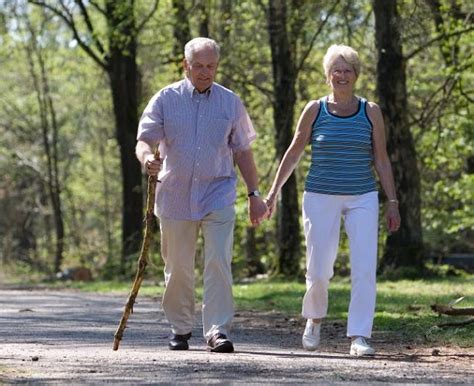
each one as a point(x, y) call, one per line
point(191, 90)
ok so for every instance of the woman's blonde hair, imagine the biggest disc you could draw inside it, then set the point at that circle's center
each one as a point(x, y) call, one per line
point(345, 52)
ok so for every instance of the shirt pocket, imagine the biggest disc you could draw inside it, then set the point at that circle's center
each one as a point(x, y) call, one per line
point(219, 133)
point(219, 155)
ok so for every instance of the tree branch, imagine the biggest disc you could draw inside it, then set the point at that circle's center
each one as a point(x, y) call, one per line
point(26, 160)
point(98, 7)
point(313, 39)
point(11, 109)
point(435, 39)
point(449, 310)
point(148, 17)
point(69, 20)
point(429, 106)
point(90, 27)
point(464, 94)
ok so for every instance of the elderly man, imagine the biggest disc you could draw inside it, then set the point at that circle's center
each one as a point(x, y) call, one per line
point(202, 128)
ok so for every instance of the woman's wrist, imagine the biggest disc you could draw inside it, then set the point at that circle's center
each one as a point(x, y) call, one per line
point(271, 195)
point(393, 201)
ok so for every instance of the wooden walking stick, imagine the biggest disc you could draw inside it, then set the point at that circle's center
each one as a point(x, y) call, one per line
point(142, 260)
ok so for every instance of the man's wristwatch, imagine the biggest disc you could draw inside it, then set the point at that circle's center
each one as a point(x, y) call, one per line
point(254, 193)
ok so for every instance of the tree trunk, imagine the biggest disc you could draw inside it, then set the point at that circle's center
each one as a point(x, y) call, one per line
point(284, 79)
point(122, 71)
point(405, 247)
point(106, 208)
point(119, 61)
point(254, 265)
point(59, 226)
point(203, 12)
point(223, 30)
point(50, 137)
point(56, 183)
point(181, 32)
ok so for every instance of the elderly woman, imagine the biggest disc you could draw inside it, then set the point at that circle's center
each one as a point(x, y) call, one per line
point(347, 139)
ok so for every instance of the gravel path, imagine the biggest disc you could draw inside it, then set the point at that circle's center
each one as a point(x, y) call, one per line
point(66, 336)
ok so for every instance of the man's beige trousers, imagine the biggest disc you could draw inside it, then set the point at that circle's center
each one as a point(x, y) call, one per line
point(178, 249)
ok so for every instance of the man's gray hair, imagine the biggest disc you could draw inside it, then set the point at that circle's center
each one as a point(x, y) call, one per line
point(198, 43)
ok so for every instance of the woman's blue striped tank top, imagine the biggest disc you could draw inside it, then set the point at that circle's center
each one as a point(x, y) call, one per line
point(341, 153)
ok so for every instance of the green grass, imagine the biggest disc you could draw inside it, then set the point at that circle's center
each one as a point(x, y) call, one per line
point(403, 307)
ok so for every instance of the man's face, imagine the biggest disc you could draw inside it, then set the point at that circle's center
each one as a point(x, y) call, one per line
point(202, 69)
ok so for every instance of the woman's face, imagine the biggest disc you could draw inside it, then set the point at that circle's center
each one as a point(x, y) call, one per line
point(342, 76)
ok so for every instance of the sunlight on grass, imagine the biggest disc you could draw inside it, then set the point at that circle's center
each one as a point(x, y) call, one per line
point(279, 296)
point(403, 307)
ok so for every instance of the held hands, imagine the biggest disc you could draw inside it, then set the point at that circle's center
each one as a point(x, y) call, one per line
point(152, 165)
point(257, 209)
point(271, 202)
point(260, 210)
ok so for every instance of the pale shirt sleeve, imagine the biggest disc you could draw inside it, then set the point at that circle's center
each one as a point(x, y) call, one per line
point(150, 127)
point(243, 133)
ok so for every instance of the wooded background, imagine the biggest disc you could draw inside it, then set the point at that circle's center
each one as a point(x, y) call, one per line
point(76, 75)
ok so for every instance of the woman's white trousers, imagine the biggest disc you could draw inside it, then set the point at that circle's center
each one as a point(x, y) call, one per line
point(322, 215)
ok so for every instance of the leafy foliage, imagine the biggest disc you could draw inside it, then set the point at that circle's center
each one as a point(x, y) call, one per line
point(439, 82)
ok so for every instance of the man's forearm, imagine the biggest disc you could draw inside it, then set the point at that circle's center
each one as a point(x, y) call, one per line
point(248, 169)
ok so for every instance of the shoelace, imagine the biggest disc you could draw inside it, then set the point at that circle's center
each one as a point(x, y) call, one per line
point(312, 328)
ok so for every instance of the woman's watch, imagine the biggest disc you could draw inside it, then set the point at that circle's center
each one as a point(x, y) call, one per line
point(254, 193)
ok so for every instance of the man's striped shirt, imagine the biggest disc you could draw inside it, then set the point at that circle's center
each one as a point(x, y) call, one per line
point(198, 135)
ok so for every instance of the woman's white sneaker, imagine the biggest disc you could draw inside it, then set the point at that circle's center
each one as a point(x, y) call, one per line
point(360, 347)
point(311, 335)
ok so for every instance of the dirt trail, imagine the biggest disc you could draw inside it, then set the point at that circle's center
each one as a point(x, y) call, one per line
point(66, 336)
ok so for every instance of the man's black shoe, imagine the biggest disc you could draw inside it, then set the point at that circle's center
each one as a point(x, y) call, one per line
point(179, 342)
point(220, 343)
